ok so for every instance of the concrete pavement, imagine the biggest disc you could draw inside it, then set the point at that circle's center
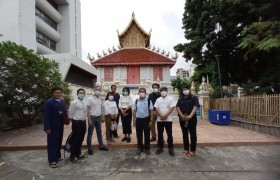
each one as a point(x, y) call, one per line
point(244, 162)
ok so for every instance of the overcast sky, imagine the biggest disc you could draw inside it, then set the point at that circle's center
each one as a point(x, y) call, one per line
point(102, 18)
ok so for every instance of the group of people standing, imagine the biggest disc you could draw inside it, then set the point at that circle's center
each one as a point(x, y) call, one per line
point(145, 113)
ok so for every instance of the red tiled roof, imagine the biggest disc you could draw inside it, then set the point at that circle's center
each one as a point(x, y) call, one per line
point(133, 56)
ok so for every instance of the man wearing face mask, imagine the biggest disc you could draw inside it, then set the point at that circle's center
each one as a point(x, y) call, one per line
point(153, 97)
point(164, 108)
point(142, 122)
point(78, 114)
point(54, 112)
point(94, 105)
point(186, 108)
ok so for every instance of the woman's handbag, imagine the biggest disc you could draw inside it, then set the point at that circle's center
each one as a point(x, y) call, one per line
point(114, 125)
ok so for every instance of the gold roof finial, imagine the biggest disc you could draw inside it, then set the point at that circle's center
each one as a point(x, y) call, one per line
point(133, 14)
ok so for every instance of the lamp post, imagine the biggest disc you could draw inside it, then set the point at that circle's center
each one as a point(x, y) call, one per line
point(220, 81)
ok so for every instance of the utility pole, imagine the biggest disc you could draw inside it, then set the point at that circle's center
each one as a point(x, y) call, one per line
point(218, 62)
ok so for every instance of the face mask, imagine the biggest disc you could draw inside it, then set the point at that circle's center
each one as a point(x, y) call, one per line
point(163, 93)
point(155, 90)
point(142, 95)
point(97, 93)
point(111, 98)
point(186, 92)
point(125, 93)
point(81, 96)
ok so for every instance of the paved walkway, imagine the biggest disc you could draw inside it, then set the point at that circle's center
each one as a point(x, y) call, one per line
point(32, 138)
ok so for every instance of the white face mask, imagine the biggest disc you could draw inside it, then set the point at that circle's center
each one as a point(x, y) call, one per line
point(155, 90)
point(111, 98)
point(186, 92)
point(97, 93)
point(81, 96)
point(163, 93)
point(142, 95)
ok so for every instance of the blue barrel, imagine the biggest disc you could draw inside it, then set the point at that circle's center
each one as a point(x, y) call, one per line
point(219, 117)
point(198, 112)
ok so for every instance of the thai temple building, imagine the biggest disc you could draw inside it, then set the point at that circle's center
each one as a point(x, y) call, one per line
point(134, 63)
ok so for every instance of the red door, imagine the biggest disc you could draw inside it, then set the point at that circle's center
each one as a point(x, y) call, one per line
point(158, 73)
point(133, 74)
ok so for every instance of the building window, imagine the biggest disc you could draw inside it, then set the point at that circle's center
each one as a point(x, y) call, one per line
point(108, 74)
point(53, 4)
point(42, 39)
point(40, 14)
point(158, 73)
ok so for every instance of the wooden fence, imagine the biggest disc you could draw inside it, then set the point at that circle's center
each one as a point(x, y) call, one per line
point(264, 109)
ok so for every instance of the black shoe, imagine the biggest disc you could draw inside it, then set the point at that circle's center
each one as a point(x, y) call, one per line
point(159, 151)
point(124, 139)
point(171, 152)
point(90, 152)
point(75, 160)
point(116, 136)
point(148, 151)
point(139, 151)
point(103, 149)
point(128, 140)
point(82, 156)
point(153, 139)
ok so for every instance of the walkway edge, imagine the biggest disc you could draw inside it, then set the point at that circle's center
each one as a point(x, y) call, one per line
point(131, 146)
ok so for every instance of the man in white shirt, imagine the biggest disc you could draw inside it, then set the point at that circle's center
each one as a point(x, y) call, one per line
point(141, 120)
point(94, 105)
point(78, 113)
point(164, 108)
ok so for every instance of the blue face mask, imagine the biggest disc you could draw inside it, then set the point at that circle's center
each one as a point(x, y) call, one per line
point(125, 93)
point(81, 96)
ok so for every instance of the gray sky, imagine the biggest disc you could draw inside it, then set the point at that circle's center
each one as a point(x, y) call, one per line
point(102, 18)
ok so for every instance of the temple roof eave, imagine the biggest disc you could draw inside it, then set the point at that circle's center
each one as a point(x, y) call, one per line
point(133, 64)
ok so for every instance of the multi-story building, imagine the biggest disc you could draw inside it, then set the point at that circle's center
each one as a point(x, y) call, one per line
point(182, 73)
point(192, 70)
point(51, 28)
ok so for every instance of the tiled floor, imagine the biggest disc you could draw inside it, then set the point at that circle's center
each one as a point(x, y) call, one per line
point(208, 135)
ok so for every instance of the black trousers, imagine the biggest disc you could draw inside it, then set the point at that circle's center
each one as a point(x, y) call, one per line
point(126, 122)
point(142, 126)
point(79, 131)
point(168, 128)
point(54, 144)
point(192, 130)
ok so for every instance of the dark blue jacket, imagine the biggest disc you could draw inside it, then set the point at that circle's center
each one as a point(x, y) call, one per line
point(52, 114)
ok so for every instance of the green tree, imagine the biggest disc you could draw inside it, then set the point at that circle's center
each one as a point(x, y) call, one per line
point(214, 28)
point(26, 79)
point(178, 83)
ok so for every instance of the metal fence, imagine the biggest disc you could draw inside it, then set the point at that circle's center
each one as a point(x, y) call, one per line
point(264, 109)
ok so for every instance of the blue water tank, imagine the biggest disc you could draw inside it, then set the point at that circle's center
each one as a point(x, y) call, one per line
point(219, 117)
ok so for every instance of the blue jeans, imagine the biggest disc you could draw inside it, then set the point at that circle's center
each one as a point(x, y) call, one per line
point(96, 122)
